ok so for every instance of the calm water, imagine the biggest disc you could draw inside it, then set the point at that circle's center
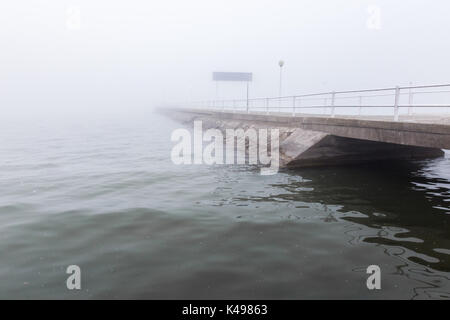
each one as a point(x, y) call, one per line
point(102, 193)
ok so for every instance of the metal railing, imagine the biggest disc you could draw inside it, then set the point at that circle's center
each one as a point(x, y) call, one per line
point(327, 103)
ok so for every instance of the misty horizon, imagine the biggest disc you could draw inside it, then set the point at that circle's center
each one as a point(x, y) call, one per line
point(83, 56)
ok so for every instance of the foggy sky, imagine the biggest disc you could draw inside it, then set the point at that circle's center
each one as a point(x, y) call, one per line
point(139, 54)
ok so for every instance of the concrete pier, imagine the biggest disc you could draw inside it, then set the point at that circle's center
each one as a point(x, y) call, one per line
point(310, 140)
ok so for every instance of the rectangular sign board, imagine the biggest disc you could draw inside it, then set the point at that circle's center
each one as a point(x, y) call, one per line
point(232, 76)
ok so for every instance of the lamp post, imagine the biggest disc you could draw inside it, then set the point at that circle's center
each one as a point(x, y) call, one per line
point(281, 64)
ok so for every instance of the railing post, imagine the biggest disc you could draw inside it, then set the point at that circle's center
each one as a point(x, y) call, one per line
point(267, 106)
point(248, 107)
point(325, 103)
point(293, 106)
point(397, 100)
point(333, 96)
point(410, 102)
point(360, 106)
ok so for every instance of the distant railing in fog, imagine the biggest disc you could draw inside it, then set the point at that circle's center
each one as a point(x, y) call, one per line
point(327, 102)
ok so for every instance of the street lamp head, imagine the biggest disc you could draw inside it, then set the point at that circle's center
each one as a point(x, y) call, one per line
point(281, 63)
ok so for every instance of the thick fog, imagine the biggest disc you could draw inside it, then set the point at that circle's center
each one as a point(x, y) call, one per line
point(71, 56)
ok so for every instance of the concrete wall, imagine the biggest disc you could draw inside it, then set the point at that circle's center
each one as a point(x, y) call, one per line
point(318, 141)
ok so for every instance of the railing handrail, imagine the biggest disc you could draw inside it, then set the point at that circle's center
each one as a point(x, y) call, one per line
point(330, 97)
point(333, 92)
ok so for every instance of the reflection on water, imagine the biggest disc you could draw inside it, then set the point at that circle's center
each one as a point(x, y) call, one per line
point(404, 205)
point(419, 218)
